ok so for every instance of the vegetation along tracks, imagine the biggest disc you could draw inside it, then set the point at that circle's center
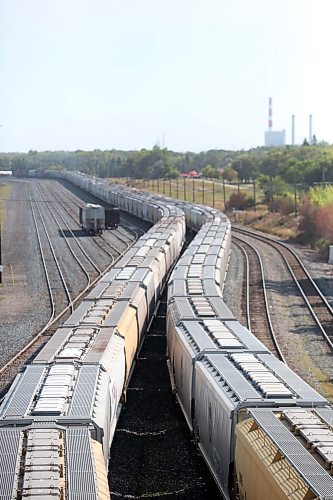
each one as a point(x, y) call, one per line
point(315, 301)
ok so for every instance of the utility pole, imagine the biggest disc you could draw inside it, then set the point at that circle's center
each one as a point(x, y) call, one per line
point(295, 200)
point(224, 197)
point(254, 195)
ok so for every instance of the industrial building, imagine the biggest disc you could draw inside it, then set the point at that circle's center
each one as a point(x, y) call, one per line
point(273, 138)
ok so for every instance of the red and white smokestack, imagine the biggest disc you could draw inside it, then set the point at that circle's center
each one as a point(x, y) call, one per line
point(270, 114)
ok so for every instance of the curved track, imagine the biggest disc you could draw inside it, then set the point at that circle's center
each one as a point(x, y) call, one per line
point(256, 304)
point(319, 308)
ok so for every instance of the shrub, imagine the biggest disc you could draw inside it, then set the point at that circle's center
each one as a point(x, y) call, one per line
point(321, 196)
point(283, 204)
point(239, 201)
point(317, 222)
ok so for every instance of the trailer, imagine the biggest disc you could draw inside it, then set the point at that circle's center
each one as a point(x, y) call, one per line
point(112, 218)
point(92, 218)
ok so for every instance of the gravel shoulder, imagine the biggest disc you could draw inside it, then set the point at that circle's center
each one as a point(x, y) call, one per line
point(302, 344)
point(321, 271)
point(23, 295)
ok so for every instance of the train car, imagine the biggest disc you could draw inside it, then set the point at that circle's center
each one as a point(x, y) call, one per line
point(223, 386)
point(112, 218)
point(55, 461)
point(285, 453)
point(92, 218)
point(76, 384)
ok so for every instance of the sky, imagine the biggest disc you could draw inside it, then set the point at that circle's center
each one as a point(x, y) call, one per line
point(189, 75)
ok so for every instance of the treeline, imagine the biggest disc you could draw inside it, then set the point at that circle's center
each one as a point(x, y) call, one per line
point(291, 164)
point(144, 164)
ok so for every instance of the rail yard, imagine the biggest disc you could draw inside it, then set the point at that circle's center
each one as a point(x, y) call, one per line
point(77, 329)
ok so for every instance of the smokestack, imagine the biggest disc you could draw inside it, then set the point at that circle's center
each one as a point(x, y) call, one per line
point(310, 130)
point(270, 115)
point(293, 130)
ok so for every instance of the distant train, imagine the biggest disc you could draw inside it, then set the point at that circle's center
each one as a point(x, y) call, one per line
point(94, 218)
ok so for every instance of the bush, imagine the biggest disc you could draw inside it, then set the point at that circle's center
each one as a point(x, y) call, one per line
point(321, 196)
point(317, 222)
point(283, 204)
point(239, 201)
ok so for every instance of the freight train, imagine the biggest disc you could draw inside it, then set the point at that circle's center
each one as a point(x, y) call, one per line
point(58, 419)
point(263, 431)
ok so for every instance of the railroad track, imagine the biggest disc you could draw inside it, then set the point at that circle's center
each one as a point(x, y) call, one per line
point(51, 268)
point(51, 265)
point(132, 224)
point(103, 243)
point(129, 224)
point(127, 221)
point(317, 304)
point(255, 303)
point(76, 249)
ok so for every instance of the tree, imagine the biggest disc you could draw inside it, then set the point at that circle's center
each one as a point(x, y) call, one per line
point(211, 172)
point(229, 174)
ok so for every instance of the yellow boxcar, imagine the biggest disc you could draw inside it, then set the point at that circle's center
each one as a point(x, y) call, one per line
point(262, 472)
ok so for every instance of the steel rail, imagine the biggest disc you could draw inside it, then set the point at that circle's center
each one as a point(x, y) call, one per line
point(40, 246)
point(74, 237)
point(247, 284)
point(96, 240)
point(264, 291)
point(274, 244)
point(84, 270)
point(58, 317)
point(62, 278)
